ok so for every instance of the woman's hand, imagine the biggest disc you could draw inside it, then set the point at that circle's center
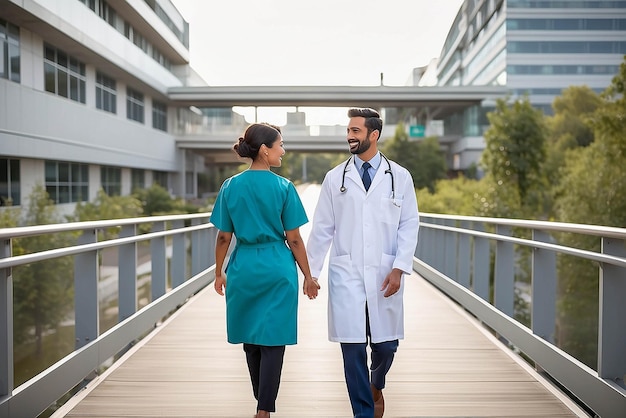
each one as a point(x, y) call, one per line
point(310, 287)
point(220, 284)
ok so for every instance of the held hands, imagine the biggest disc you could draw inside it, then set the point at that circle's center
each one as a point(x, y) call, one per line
point(310, 287)
point(392, 282)
point(220, 284)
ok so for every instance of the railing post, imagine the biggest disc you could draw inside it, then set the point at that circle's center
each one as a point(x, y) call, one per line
point(611, 329)
point(438, 243)
point(86, 278)
point(158, 257)
point(504, 275)
point(449, 250)
point(6, 323)
point(212, 233)
point(206, 245)
point(463, 258)
point(127, 276)
point(179, 255)
point(196, 249)
point(543, 290)
point(480, 275)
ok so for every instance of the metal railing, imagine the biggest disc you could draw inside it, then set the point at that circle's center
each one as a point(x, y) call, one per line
point(170, 239)
point(456, 254)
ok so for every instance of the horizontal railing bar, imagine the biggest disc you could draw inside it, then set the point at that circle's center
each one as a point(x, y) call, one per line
point(597, 230)
point(25, 231)
point(19, 260)
point(590, 255)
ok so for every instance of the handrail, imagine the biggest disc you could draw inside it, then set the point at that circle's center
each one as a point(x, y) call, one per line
point(93, 348)
point(589, 255)
point(454, 253)
point(447, 255)
point(596, 230)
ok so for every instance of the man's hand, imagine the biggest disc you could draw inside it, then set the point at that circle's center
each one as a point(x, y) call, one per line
point(392, 282)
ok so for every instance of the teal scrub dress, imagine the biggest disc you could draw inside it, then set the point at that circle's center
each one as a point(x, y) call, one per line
point(262, 280)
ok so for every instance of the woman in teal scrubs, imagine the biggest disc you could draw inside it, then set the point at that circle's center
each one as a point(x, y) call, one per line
point(264, 212)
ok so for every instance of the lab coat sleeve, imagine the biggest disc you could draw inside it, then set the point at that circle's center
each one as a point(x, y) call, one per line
point(322, 230)
point(408, 226)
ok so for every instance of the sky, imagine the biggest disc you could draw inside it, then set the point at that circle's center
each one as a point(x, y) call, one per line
point(314, 43)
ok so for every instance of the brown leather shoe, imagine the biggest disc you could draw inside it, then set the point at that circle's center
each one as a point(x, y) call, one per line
point(379, 402)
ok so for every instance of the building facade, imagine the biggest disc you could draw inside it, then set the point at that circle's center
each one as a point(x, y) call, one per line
point(83, 99)
point(536, 48)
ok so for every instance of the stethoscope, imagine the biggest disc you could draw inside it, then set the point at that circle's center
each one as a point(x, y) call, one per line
point(343, 188)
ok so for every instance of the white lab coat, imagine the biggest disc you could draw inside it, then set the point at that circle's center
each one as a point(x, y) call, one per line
point(370, 236)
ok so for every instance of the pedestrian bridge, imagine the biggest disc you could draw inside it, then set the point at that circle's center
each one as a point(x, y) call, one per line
point(464, 353)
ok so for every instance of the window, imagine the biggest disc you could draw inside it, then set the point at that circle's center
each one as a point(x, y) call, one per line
point(67, 182)
point(106, 94)
point(134, 105)
point(111, 180)
point(9, 182)
point(64, 75)
point(9, 51)
point(159, 116)
point(138, 181)
point(160, 178)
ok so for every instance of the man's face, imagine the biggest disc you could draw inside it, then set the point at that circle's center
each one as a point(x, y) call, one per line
point(358, 138)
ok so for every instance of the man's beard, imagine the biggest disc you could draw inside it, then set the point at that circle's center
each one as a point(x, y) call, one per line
point(363, 146)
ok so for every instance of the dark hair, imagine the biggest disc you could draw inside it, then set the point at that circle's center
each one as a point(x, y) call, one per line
point(373, 121)
point(254, 136)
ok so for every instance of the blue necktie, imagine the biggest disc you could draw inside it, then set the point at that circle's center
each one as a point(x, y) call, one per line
point(366, 176)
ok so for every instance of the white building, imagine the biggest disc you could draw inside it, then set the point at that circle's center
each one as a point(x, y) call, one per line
point(83, 98)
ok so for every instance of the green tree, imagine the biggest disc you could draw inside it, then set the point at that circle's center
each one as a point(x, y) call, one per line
point(459, 196)
point(569, 129)
point(107, 207)
point(424, 159)
point(43, 291)
point(155, 200)
point(592, 191)
point(515, 149)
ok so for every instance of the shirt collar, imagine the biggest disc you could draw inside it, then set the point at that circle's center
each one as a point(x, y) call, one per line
point(375, 161)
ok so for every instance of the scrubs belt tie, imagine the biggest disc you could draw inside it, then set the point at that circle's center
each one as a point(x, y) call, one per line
point(267, 244)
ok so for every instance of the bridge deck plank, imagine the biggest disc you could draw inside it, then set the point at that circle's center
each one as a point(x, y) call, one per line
point(446, 367)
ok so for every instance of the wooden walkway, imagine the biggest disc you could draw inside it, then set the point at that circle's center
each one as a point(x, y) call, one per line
point(447, 366)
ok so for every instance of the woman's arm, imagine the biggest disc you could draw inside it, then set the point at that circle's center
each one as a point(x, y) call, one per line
point(296, 243)
point(221, 248)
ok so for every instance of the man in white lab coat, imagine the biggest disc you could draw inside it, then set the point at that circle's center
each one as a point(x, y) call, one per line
point(368, 211)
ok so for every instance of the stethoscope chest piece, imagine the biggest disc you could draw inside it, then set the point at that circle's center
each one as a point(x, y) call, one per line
point(343, 188)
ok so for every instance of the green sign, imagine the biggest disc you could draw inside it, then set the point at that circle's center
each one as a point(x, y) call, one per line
point(416, 131)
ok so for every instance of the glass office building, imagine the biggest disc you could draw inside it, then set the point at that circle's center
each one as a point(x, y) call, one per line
point(535, 48)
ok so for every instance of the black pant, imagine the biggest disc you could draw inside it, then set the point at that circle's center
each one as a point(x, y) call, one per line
point(265, 363)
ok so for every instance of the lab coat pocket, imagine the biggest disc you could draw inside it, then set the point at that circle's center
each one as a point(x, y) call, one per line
point(390, 210)
point(346, 313)
point(340, 275)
